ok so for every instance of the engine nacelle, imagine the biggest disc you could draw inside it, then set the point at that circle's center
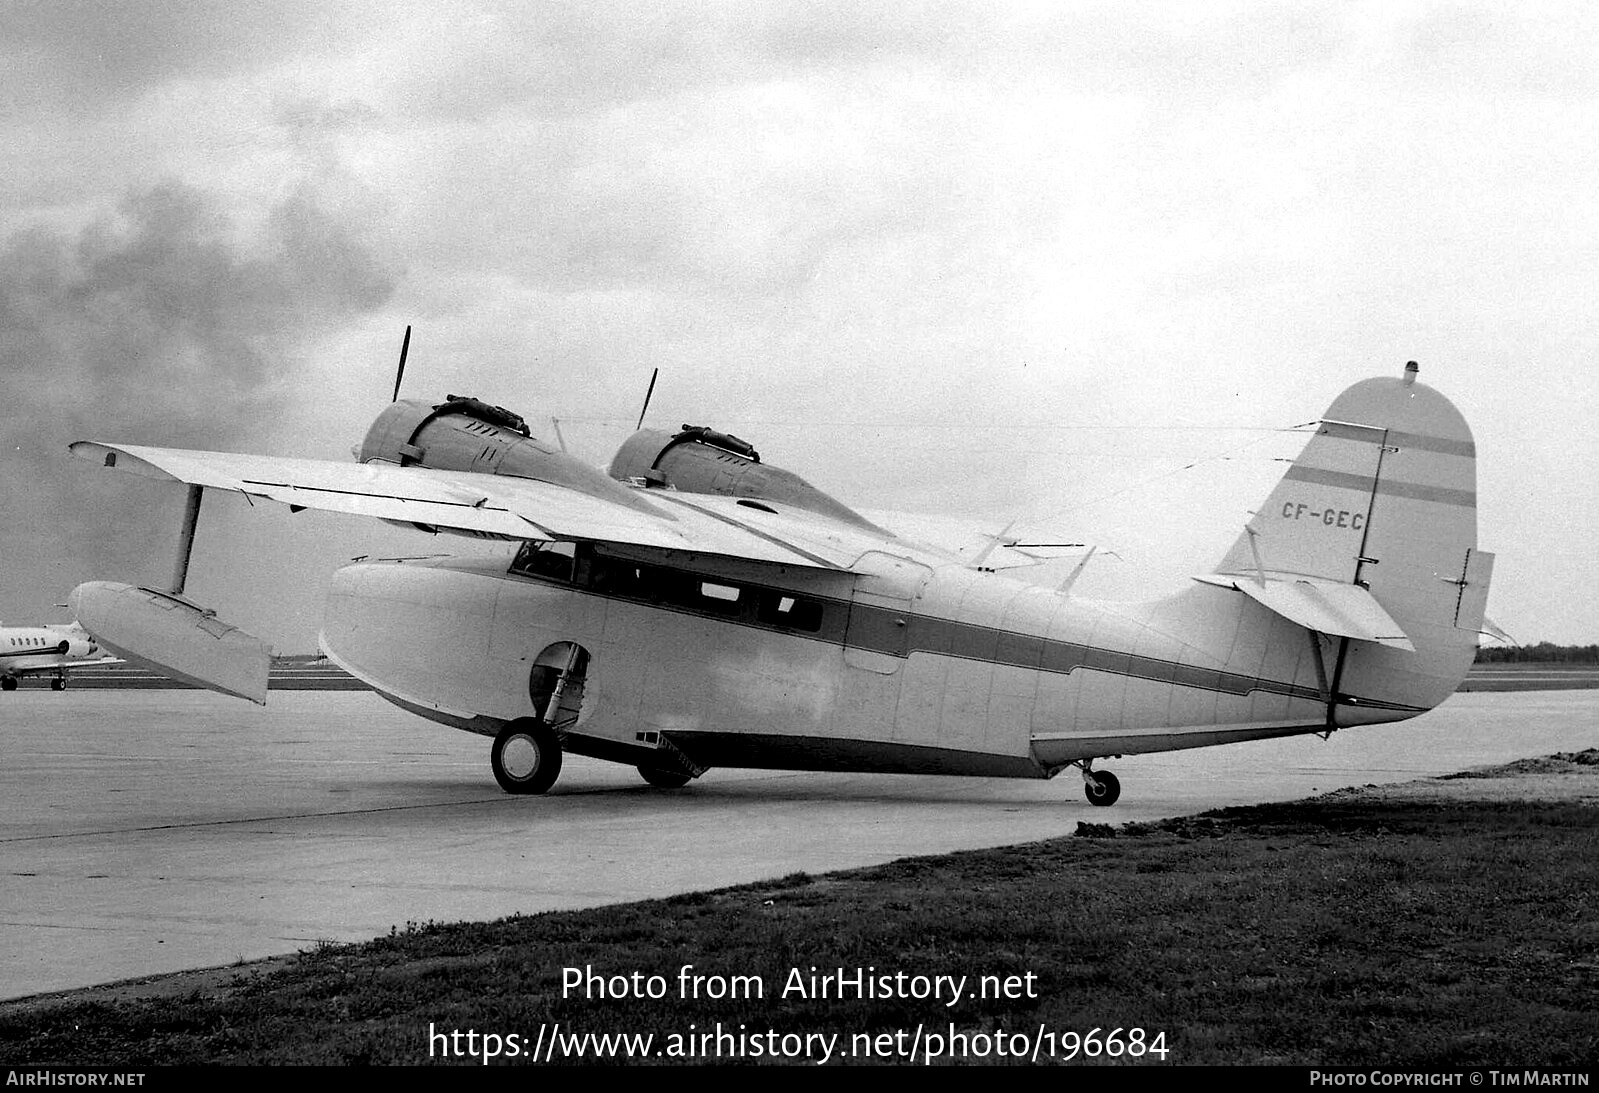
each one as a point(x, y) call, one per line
point(75, 647)
point(466, 434)
point(702, 460)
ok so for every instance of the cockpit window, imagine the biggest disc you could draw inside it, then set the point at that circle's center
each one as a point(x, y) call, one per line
point(552, 561)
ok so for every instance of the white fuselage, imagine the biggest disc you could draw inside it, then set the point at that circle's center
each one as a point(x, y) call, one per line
point(901, 665)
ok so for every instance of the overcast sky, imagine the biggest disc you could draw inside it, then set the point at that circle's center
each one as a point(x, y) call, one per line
point(1077, 263)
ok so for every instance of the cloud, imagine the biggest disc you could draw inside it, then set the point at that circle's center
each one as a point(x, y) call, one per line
point(861, 212)
point(82, 53)
point(162, 323)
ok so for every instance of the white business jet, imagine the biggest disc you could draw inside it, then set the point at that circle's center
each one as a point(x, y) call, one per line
point(44, 650)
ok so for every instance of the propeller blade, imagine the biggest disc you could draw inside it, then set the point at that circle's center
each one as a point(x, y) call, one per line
point(405, 347)
point(647, 395)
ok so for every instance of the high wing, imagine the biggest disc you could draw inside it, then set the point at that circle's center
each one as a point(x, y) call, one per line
point(163, 631)
point(503, 506)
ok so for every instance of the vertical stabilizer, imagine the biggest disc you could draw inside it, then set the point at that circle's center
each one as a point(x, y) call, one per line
point(1383, 499)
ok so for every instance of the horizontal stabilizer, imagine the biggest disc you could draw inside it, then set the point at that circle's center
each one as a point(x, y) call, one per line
point(1329, 607)
point(173, 638)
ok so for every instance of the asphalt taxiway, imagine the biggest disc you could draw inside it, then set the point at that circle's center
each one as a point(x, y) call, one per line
point(152, 831)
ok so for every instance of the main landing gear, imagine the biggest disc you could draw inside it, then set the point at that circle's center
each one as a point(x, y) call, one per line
point(1101, 787)
point(59, 683)
point(526, 756)
point(8, 683)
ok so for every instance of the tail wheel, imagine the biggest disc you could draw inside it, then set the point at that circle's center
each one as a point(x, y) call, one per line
point(1101, 787)
point(665, 779)
point(526, 756)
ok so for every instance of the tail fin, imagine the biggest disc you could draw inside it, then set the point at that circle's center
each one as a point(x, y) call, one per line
point(1371, 539)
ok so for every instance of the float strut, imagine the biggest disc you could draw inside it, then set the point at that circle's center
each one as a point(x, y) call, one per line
point(191, 517)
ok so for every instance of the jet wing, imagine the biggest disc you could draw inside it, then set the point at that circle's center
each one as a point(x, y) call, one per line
point(502, 506)
point(67, 662)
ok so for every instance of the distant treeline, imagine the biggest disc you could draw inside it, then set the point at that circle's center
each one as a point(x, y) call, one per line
point(1543, 653)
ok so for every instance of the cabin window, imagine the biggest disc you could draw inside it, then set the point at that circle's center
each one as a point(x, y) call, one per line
point(791, 612)
point(631, 580)
point(616, 577)
point(719, 597)
point(619, 577)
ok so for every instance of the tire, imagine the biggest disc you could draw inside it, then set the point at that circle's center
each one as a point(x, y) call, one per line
point(58, 684)
point(8, 683)
point(526, 756)
point(1103, 789)
point(665, 779)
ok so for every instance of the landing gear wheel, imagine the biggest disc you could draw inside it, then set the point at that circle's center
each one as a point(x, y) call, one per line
point(526, 756)
point(58, 684)
point(1101, 788)
point(664, 779)
point(9, 683)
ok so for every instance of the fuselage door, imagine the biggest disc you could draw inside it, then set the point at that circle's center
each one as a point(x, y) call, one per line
point(886, 589)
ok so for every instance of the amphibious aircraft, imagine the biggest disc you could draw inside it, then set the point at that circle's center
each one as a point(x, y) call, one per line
point(43, 650)
point(696, 607)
